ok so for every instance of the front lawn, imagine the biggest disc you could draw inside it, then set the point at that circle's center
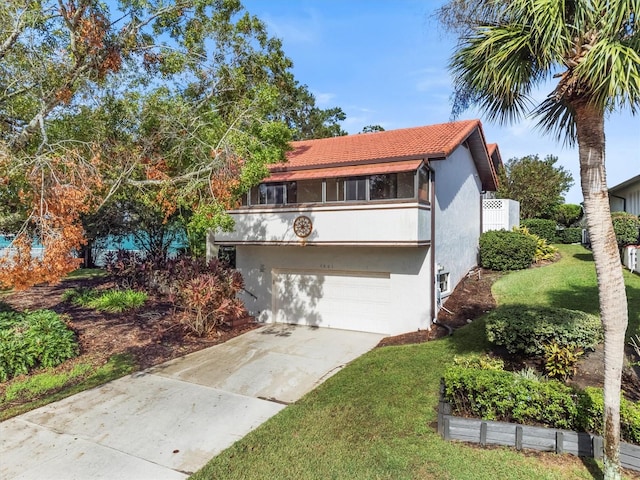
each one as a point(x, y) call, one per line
point(376, 418)
point(569, 283)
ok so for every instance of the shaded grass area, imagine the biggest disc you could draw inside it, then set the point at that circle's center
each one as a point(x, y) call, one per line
point(570, 283)
point(52, 385)
point(376, 419)
point(86, 273)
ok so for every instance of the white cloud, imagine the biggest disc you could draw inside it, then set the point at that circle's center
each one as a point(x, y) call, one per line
point(304, 28)
point(432, 79)
point(324, 100)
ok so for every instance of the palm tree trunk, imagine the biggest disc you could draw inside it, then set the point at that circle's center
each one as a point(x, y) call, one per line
point(611, 289)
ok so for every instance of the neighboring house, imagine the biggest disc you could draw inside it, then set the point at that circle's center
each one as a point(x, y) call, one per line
point(364, 232)
point(625, 197)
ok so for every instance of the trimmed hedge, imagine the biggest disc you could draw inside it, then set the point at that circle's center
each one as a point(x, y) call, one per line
point(509, 397)
point(35, 339)
point(541, 227)
point(591, 408)
point(504, 396)
point(570, 235)
point(526, 330)
point(503, 250)
point(626, 226)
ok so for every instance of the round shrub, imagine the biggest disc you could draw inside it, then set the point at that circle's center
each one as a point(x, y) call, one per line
point(33, 339)
point(625, 225)
point(568, 213)
point(502, 250)
point(541, 227)
point(527, 330)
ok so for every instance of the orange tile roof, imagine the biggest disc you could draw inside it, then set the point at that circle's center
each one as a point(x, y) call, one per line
point(346, 171)
point(417, 142)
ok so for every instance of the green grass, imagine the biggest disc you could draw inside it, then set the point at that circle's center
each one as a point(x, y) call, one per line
point(83, 273)
point(113, 301)
point(23, 394)
point(35, 386)
point(569, 283)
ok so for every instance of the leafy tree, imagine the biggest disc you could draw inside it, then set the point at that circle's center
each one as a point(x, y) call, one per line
point(568, 214)
point(537, 184)
point(184, 103)
point(372, 128)
point(591, 50)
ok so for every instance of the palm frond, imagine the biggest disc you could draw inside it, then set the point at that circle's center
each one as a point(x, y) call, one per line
point(611, 72)
point(549, 31)
point(556, 118)
point(494, 69)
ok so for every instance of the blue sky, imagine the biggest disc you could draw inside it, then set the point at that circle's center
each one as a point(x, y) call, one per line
point(384, 63)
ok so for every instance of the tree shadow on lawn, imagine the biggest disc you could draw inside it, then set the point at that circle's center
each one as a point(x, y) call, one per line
point(586, 299)
point(585, 257)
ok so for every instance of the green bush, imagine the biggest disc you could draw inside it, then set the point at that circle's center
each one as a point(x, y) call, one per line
point(527, 330)
point(560, 362)
point(568, 213)
point(483, 362)
point(541, 227)
point(570, 235)
point(591, 408)
point(505, 396)
point(544, 251)
point(625, 225)
point(502, 250)
point(511, 397)
point(33, 339)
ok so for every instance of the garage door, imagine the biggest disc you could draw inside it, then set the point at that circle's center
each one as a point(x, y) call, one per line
point(351, 301)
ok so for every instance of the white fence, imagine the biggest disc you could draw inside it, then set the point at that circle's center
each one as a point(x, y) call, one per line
point(630, 255)
point(500, 214)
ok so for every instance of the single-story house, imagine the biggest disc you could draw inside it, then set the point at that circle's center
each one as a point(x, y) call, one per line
point(625, 197)
point(364, 232)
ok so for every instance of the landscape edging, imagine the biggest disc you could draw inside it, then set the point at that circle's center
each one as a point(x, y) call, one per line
point(486, 432)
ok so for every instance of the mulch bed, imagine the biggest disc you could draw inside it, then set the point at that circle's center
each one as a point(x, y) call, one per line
point(152, 334)
point(470, 299)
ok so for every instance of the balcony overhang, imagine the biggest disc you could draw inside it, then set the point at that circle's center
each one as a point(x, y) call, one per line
point(401, 224)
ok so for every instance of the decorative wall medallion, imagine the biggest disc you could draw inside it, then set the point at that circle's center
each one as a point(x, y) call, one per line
point(302, 226)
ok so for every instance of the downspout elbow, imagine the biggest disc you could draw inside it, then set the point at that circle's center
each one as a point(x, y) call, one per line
point(443, 325)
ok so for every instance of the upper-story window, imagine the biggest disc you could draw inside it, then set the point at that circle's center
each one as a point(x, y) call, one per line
point(413, 185)
point(275, 193)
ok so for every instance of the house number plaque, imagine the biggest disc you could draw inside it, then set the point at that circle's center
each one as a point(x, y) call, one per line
point(302, 226)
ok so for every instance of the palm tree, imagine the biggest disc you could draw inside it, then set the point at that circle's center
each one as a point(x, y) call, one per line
point(590, 52)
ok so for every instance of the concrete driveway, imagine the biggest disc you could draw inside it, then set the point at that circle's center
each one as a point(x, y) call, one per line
point(167, 422)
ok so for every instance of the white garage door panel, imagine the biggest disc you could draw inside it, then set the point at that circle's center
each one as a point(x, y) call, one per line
point(351, 301)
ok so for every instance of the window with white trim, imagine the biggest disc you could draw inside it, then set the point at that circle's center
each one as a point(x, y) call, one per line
point(443, 282)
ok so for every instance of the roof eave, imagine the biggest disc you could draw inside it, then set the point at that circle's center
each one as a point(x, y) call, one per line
point(625, 184)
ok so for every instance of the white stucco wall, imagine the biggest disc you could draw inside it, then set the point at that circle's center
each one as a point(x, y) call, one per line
point(457, 214)
point(408, 268)
point(344, 224)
